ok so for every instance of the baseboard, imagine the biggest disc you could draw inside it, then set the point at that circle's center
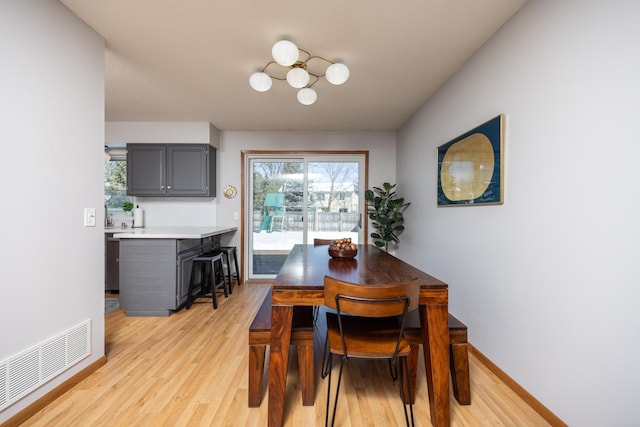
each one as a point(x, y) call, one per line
point(45, 400)
point(534, 403)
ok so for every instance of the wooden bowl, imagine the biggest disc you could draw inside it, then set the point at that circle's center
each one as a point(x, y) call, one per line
point(342, 254)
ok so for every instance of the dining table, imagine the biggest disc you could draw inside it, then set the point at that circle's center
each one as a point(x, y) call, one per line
point(300, 282)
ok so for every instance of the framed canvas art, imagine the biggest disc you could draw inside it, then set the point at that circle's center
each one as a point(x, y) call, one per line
point(470, 167)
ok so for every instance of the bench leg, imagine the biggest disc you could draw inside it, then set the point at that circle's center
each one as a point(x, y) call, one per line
point(460, 373)
point(256, 371)
point(305, 364)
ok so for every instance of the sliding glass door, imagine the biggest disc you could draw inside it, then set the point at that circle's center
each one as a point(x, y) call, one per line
point(294, 199)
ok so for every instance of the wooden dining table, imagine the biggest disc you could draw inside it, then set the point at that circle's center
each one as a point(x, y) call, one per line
point(300, 282)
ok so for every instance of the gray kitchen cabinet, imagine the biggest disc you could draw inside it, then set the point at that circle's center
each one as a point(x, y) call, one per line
point(112, 254)
point(155, 273)
point(171, 170)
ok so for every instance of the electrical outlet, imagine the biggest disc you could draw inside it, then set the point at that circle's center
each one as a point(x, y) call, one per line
point(89, 217)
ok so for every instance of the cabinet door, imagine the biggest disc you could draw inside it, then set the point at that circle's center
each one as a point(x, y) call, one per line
point(184, 264)
point(112, 267)
point(146, 169)
point(187, 170)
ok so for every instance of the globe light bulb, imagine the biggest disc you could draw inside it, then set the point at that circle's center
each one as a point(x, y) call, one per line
point(260, 82)
point(285, 53)
point(337, 73)
point(298, 77)
point(307, 96)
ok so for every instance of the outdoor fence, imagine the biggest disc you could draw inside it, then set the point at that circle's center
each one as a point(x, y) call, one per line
point(293, 221)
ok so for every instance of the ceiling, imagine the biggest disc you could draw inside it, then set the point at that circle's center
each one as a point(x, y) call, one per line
point(171, 60)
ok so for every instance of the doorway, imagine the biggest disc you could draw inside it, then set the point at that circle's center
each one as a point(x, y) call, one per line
point(294, 198)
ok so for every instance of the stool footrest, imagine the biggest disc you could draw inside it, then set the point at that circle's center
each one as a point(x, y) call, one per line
point(209, 267)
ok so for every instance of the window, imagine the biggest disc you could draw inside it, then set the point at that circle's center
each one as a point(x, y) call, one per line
point(115, 181)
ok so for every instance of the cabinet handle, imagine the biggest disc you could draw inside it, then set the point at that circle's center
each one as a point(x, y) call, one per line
point(168, 187)
point(162, 187)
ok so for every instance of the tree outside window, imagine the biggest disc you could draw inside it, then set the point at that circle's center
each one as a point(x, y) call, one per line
point(115, 185)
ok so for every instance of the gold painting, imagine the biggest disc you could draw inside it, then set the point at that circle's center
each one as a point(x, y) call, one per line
point(470, 167)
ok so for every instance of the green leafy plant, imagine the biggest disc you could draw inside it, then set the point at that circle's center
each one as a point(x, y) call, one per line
point(385, 211)
point(127, 206)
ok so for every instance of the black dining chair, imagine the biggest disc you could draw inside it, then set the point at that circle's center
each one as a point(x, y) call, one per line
point(365, 326)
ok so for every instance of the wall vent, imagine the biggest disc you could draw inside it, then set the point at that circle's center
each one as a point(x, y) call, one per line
point(24, 372)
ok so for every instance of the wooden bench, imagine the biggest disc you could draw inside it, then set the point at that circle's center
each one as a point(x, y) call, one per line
point(458, 355)
point(260, 338)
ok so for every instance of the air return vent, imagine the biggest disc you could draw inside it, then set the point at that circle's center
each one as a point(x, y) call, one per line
point(33, 367)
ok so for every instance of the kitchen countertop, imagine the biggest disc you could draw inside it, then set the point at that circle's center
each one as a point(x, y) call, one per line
point(168, 232)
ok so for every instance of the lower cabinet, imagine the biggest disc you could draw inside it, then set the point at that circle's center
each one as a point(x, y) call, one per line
point(111, 264)
point(155, 273)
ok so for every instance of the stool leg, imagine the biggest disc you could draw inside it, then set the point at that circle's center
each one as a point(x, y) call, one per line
point(226, 255)
point(215, 264)
point(225, 287)
point(212, 281)
point(235, 262)
point(191, 284)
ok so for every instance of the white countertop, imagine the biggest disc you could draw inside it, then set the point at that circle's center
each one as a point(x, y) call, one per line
point(168, 232)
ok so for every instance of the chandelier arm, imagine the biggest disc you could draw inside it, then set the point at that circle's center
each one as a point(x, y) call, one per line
point(264, 70)
point(319, 57)
point(315, 81)
point(306, 53)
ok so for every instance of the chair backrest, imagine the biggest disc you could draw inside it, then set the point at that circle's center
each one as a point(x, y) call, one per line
point(364, 299)
point(320, 242)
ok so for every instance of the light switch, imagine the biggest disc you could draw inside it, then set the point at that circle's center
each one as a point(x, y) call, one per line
point(89, 217)
point(236, 216)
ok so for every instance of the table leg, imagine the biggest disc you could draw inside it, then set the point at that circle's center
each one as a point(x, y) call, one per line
point(435, 339)
point(281, 318)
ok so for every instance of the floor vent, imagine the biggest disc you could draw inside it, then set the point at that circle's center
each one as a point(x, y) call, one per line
point(24, 372)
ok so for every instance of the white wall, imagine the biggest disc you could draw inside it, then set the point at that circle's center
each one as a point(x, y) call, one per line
point(52, 112)
point(381, 147)
point(548, 282)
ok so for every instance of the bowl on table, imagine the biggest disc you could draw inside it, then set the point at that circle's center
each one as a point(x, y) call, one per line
point(343, 249)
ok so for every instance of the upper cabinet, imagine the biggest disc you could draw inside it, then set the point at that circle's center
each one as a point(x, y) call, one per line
point(171, 170)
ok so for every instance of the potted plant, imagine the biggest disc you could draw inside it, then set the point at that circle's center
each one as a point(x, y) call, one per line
point(127, 207)
point(385, 211)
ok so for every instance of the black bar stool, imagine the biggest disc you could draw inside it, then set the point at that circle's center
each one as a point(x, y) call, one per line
point(228, 252)
point(210, 267)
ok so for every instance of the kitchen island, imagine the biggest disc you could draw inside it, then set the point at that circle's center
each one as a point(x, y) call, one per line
point(155, 265)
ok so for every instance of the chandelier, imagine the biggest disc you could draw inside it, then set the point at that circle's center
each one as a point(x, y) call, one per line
point(298, 72)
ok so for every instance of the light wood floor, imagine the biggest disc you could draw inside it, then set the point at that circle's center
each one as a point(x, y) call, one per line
point(190, 369)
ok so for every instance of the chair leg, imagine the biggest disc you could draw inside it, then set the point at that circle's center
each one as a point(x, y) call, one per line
point(326, 360)
point(326, 371)
point(393, 370)
point(410, 397)
point(412, 379)
point(335, 402)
